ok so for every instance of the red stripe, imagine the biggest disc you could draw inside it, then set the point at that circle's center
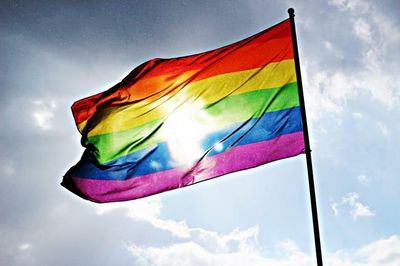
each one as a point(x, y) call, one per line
point(271, 45)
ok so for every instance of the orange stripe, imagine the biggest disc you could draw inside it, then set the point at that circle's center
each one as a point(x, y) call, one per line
point(201, 93)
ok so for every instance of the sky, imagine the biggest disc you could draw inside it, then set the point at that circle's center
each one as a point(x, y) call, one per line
point(56, 52)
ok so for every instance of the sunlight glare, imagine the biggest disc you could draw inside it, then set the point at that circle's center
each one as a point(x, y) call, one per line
point(184, 131)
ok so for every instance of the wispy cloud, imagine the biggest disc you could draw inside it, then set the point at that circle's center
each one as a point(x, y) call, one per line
point(357, 115)
point(333, 50)
point(360, 5)
point(358, 209)
point(351, 203)
point(334, 207)
point(363, 30)
point(149, 210)
point(364, 180)
point(383, 129)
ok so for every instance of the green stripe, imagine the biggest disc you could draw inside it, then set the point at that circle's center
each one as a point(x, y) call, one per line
point(229, 110)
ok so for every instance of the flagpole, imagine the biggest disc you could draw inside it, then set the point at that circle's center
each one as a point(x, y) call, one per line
point(306, 142)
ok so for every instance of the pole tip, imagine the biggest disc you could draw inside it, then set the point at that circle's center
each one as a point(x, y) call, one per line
point(291, 12)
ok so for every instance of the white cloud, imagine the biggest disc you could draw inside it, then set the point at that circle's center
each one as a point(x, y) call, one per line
point(24, 246)
point(361, 6)
point(357, 115)
point(358, 8)
point(334, 207)
point(316, 100)
point(382, 252)
point(364, 180)
point(42, 119)
point(192, 253)
point(198, 246)
point(383, 128)
point(355, 208)
point(7, 168)
point(147, 209)
point(328, 45)
point(43, 113)
point(387, 28)
point(333, 50)
point(363, 30)
point(377, 79)
point(330, 90)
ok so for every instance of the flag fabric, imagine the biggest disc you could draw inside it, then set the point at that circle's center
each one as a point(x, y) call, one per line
point(175, 122)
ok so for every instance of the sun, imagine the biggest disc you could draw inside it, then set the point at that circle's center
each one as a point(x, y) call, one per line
point(185, 130)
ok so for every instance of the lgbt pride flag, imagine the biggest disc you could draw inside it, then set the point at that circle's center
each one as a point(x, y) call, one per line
point(175, 122)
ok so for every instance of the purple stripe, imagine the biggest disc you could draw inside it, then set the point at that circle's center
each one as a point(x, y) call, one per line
point(235, 159)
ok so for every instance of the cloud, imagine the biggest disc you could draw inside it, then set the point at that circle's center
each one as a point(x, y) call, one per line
point(333, 49)
point(149, 210)
point(363, 30)
point(7, 167)
point(355, 208)
point(316, 83)
point(334, 207)
point(24, 246)
point(43, 113)
point(357, 115)
point(383, 129)
point(382, 252)
point(45, 225)
point(365, 67)
point(352, 5)
point(193, 253)
point(364, 180)
point(199, 246)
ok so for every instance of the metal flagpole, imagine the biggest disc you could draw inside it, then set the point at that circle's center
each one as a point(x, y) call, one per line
point(306, 142)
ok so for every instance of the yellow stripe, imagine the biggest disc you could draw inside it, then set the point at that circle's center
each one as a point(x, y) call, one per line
point(203, 92)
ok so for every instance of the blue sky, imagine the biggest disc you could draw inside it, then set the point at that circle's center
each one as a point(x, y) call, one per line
point(55, 53)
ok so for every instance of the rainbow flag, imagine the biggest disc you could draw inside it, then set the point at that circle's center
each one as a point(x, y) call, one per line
point(175, 122)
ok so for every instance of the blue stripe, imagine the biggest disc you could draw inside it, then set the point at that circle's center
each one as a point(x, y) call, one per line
point(158, 158)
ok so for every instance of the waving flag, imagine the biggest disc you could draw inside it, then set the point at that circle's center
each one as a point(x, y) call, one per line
point(175, 122)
